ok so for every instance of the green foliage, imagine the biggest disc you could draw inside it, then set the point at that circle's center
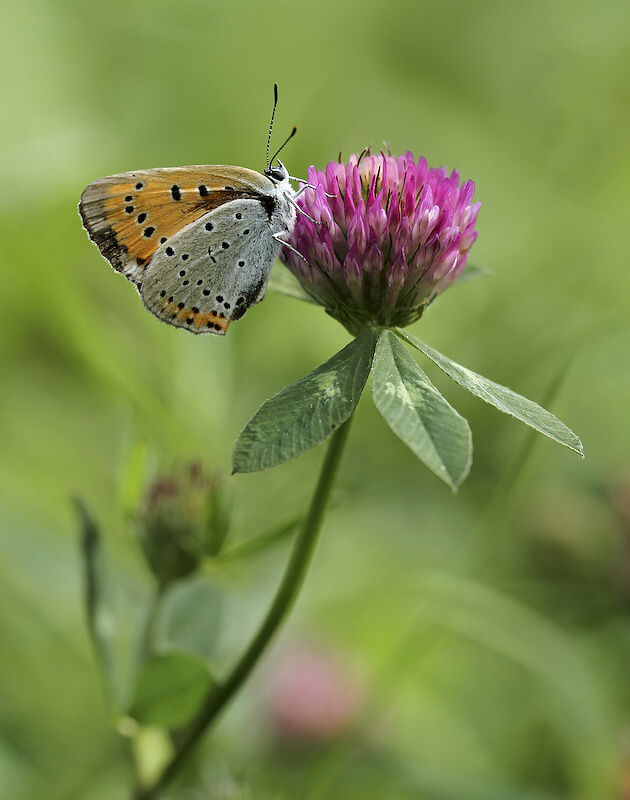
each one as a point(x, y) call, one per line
point(304, 414)
point(418, 414)
point(99, 606)
point(169, 690)
point(493, 649)
point(501, 397)
point(190, 618)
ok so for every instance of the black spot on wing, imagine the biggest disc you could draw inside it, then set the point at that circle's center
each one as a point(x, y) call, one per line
point(248, 298)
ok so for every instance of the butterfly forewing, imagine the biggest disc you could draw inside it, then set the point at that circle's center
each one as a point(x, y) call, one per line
point(212, 270)
point(129, 215)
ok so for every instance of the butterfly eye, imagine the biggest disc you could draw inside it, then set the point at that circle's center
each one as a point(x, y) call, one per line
point(274, 173)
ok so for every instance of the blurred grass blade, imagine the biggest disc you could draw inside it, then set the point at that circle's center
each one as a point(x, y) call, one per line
point(100, 616)
point(170, 689)
point(263, 541)
point(500, 397)
point(418, 414)
point(502, 496)
point(133, 477)
point(304, 414)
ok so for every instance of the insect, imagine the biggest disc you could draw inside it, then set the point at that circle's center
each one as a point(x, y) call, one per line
point(198, 242)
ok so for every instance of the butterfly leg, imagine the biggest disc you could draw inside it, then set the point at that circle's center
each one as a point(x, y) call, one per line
point(284, 243)
point(302, 212)
point(308, 186)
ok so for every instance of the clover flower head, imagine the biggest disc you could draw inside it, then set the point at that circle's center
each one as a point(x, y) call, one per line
point(386, 236)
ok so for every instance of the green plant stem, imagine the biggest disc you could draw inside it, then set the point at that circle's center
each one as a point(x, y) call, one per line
point(282, 604)
point(149, 636)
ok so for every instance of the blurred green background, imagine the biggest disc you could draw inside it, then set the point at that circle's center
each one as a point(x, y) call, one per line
point(491, 628)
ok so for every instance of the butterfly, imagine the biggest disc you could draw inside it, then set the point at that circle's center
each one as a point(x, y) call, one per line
point(198, 242)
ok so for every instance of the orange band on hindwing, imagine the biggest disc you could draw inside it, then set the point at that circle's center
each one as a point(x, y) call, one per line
point(193, 317)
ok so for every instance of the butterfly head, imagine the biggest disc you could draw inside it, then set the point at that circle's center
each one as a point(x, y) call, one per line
point(277, 174)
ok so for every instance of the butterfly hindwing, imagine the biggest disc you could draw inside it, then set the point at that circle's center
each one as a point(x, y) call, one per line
point(213, 269)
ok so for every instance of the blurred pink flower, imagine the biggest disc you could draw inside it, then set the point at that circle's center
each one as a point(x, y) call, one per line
point(311, 696)
point(393, 235)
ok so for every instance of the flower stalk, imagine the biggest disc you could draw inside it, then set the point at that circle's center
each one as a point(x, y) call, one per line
point(286, 595)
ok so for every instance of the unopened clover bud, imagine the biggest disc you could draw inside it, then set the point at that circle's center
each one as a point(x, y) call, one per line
point(185, 518)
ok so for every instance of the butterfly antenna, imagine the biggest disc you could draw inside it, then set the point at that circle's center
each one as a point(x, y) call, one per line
point(288, 139)
point(273, 114)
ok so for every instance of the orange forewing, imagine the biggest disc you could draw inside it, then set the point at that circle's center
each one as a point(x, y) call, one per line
point(129, 215)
